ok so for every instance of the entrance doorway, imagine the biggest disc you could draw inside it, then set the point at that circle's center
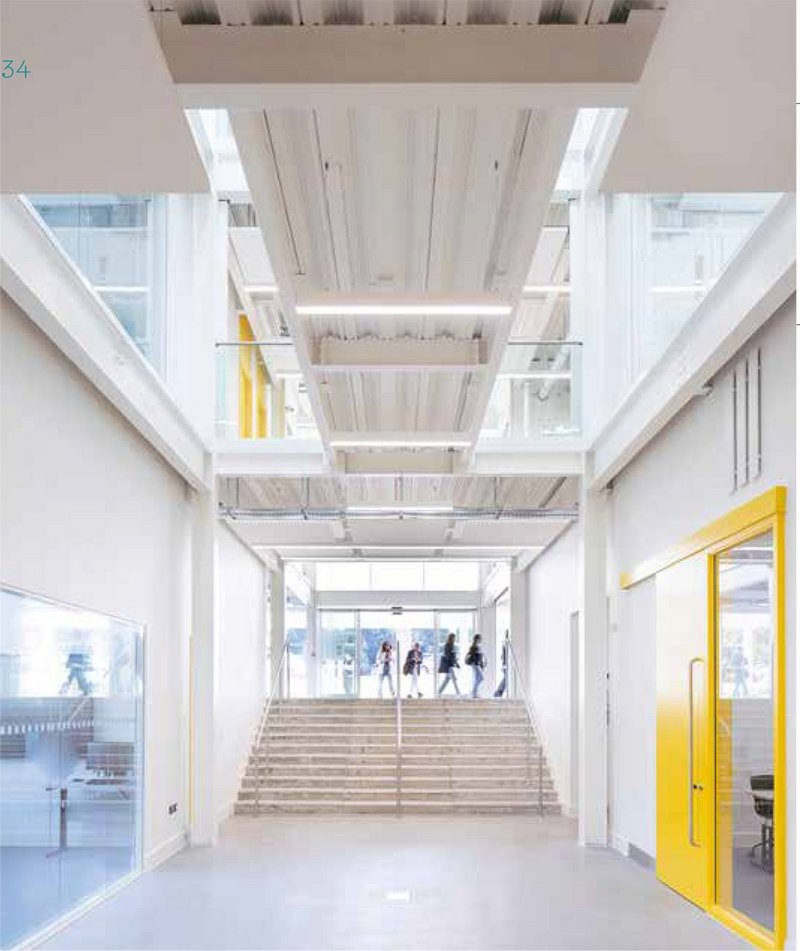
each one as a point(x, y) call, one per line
point(350, 642)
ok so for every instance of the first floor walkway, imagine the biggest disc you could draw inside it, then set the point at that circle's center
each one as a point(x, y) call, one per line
point(419, 882)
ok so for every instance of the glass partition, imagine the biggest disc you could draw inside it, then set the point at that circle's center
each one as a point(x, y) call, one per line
point(296, 671)
point(118, 242)
point(745, 772)
point(666, 252)
point(536, 393)
point(338, 654)
point(71, 756)
point(261, 393)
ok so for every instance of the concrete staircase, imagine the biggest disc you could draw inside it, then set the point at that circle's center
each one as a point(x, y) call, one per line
point(457, 755)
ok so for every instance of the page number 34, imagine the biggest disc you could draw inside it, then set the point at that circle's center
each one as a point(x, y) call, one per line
point(11, 68)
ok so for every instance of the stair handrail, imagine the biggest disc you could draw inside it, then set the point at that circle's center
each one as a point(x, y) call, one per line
point(529, 708)
point(398, 706)
point(263, 723)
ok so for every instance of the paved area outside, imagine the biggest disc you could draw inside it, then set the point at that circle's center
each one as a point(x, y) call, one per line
point(471, 882)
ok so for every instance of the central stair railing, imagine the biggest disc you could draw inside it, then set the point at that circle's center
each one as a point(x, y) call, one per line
point(398, 719)
point(260, 759)
point(520, 683)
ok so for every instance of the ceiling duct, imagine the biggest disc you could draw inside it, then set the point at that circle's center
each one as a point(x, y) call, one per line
point(237, 514)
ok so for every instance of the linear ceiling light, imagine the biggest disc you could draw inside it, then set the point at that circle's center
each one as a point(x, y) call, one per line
point(541, 375)
point(547, 289)
point(261, 289)
point(403, 310)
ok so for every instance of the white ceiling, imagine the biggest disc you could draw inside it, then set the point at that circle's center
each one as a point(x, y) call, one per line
point(715, 108)
point(99, 111)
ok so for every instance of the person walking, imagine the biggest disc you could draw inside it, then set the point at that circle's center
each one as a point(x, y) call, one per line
point(412, 667)
point(477, 661)
point(448, 663)
point(385, 664)
point(502, 686)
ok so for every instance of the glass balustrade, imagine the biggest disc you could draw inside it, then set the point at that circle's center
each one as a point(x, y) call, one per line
point(536, 392)
point(261, 392)
point(118, 242)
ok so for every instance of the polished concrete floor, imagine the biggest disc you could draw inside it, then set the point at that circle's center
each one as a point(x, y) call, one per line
point(385, 883)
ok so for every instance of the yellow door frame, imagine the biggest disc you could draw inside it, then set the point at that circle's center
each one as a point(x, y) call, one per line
point(763, 513)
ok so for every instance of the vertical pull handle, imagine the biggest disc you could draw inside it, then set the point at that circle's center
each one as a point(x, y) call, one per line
point(691, 783)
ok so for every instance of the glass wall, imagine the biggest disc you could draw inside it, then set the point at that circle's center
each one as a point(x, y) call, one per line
point(397, 576)
point(70, 758)
point(118, 242)
point(350, 643)
point(296, 619)
point(745, 780)
point(666, 252)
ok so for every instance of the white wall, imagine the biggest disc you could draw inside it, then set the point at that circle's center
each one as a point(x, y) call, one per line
point(241, 662)
point(93, 516)
point(553, 593)
point(680, 482)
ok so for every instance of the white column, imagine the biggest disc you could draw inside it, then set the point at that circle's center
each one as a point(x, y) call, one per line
point(518, 592)
point(593, 667)
point(277, 604)
point(203, 813)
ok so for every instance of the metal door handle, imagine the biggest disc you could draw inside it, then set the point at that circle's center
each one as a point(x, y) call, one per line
point(692, 784)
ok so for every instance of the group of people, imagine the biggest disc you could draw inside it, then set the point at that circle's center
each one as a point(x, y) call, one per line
point(448, 665)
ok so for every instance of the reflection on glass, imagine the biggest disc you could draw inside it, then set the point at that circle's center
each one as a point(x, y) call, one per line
point(744, 729)
point(261, 393)
point(118, 244)
point(297, 637)
point(535, 395)
point(70, 758)
point(337, 654)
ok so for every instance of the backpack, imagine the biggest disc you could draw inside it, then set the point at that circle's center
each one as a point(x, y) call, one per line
point(471, 659)
point(408, 666)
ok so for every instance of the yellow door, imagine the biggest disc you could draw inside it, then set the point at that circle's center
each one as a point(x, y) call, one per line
point(684, 847)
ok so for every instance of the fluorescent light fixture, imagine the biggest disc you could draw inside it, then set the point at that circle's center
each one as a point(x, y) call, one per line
point(547, 289)
point(422, 509)
point(403, 310)
point(680, 289)
point(355, 443)
point(533, 375)
point(256, 289)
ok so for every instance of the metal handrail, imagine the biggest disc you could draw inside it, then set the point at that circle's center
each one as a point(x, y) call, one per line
point(263, 724)
point(531, 716)
point(398, 706)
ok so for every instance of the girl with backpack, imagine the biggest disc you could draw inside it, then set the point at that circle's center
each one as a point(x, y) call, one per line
point(385, 664)
point(477, 661)
point(448, 663)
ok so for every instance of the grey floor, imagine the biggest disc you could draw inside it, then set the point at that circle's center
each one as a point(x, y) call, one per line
point(385, 883)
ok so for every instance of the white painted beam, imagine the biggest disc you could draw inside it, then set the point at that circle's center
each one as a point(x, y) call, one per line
point(48, 286)
point(334, 355)
point(261, 457)
point(747, 294)
point(537, 457)
point(411, 439)
point(563, 64)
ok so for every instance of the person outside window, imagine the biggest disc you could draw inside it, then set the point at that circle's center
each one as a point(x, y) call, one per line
point(477, 661)
point(385, 666)
point(503, 685)
point(448, 663)
point(412, 667)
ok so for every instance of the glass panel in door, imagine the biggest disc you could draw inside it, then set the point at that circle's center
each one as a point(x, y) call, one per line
point(338, 654)
point(377, 629)
point(745, 770)
point(417, 627)
point(461, 624)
